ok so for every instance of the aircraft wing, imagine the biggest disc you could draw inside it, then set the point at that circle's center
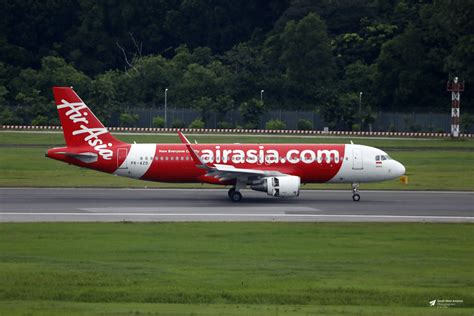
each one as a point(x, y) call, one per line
point(183, 138)
point(225, 172)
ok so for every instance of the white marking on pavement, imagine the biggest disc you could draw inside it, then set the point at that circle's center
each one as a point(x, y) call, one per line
point(469, 218)
point(199, 210)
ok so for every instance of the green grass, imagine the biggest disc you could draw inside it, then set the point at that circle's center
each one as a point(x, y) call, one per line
point(326, 267)
point(74, 308)
point(56, 138)
point(441, 165)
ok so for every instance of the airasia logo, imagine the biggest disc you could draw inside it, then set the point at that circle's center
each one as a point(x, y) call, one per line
point(269, 156)
point(91, 135)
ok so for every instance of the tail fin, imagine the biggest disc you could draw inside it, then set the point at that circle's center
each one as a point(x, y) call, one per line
point(80, 126)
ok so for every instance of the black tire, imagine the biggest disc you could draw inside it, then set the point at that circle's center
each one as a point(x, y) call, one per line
point(230, 192)
point(356, 197)
point(236, 196)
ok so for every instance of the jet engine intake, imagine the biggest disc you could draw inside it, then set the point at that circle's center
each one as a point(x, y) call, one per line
point(283, 186)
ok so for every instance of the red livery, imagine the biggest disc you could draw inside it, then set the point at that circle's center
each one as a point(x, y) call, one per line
point(277, 169)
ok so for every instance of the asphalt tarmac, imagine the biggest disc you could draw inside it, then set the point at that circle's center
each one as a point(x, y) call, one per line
point(165, 205)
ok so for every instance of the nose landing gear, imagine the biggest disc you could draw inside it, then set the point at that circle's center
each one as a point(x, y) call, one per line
point(355, 195)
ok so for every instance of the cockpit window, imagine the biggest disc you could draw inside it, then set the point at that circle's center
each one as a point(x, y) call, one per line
point(385, 157)
point(377, 158)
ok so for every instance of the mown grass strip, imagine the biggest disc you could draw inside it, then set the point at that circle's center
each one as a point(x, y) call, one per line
point(359, 264)
point(56, 138)
point(75, 308)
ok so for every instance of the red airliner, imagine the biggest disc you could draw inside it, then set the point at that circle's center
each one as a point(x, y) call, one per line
point(277, 169)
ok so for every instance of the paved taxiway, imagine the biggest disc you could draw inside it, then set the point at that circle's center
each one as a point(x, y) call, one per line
point(49, 204)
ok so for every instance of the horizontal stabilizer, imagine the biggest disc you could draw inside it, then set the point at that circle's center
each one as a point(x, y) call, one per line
point(86, 157)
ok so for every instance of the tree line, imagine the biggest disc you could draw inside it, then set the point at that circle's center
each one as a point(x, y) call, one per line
point(345, 59)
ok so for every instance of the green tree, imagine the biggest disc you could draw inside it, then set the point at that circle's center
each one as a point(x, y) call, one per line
point(305, 125)
point(303, 54)
point(338, 110)
point(198, 81)
point(144, 83)
point(40, 120)
point(7, 117)
point(33, 88)
point(251, 111)
point(159, 121)
point(197, 123)
point(247, 72)
point(104, 95)
point(275, 124)
point(204, 105)
point(128, 119)
point(223, 105)
point(401, 64)
point(306, 52)
point(177, 123)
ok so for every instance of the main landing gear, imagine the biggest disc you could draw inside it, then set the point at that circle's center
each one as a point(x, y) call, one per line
point(355, 195)
point(234, 194)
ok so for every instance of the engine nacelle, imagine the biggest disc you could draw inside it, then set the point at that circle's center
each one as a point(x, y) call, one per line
point(284, 186)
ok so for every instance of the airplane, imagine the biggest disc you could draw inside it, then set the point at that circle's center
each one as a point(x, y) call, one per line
point(276, 169)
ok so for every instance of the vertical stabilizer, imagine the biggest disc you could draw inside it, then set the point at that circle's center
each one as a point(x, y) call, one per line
point(81, 127)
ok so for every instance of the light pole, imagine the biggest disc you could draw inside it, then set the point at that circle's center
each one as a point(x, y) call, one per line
point(261, 95)
point(166, 107)
point(360, 110)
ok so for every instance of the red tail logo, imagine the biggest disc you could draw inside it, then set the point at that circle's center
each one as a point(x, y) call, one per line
point(80, 126)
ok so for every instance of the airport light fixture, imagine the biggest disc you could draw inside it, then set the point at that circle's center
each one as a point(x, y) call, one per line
point(166, 107)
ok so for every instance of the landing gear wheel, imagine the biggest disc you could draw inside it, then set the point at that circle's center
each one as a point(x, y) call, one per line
point(236, 196)
point(230, 192)
point(355, 195)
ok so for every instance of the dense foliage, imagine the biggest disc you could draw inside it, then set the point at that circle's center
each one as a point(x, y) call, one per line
point(218, 55)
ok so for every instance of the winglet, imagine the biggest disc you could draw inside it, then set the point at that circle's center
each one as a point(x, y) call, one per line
point(183, 138)
point(197, 160)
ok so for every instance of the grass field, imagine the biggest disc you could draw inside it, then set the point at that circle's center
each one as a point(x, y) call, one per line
point(56, 138)
point(235, 268)
point(432, 164)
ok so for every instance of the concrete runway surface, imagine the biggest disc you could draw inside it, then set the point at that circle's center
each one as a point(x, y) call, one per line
point(164, 205)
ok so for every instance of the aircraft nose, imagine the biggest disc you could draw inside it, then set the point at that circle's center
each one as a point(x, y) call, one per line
point(400, 169)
